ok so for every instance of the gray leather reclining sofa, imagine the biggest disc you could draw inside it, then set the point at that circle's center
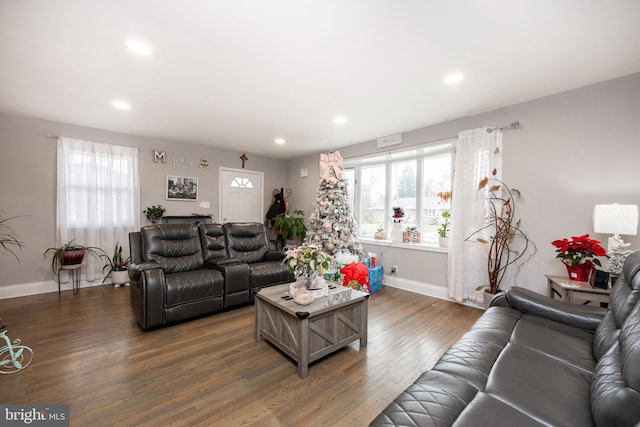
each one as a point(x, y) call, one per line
point(180, 271)
point(533, 361)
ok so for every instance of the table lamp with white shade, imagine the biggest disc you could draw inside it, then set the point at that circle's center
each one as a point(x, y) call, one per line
point(616, 219)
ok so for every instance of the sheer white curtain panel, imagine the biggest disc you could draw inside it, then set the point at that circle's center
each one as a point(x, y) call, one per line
point(478, 153)
point(98, 197)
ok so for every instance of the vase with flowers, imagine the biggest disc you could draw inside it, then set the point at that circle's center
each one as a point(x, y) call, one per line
point(306, 261)
point(579, 255)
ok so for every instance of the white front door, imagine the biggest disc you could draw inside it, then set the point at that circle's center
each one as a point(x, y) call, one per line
point(241, 196)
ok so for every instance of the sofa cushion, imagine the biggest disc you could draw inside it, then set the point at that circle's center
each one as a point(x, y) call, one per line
point(176, 247)
point(189, 286)
point(485, 410)
point(542, 387)
point(247, 242)
point(556, 340)
point(214, 244)
point(624, 296)
point(616, 382)
point(268, 273)
point(434, 399)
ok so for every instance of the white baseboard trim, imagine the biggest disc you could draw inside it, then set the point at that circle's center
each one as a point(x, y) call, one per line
point(35, 288)
point(422, 288)
point(417, 287)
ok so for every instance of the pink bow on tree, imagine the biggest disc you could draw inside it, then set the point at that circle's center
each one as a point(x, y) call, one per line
point(329, 161)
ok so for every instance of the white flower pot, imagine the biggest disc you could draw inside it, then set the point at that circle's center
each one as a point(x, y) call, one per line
point(119, 278)
point(443, 242)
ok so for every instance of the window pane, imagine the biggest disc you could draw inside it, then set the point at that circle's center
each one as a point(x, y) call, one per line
point(437, 178)
point(403, 187)
point(350, 177)
point(372, 197)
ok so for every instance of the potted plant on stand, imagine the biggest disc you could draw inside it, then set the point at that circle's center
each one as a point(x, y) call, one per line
point(508, 244)
point(291, 226)
point(9, 240)
point(154, 213)
point(117, 267)
point(71, 254)
point(578, 256)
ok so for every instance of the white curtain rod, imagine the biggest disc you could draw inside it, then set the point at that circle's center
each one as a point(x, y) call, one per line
point(48, 135)
point(512, 125)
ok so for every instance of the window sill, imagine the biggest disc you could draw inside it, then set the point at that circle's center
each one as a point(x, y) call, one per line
point(410, 246)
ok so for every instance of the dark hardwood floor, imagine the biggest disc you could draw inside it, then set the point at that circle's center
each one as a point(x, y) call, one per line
point(91, 354)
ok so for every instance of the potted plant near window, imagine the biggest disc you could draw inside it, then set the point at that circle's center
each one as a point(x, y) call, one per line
point(117, 267)
point(154, 213)
point(71, 254)
point(443, 230)
point(291, 226)
point(508, 244)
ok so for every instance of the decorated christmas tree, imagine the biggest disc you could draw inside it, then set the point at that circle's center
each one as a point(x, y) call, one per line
point(331, 224)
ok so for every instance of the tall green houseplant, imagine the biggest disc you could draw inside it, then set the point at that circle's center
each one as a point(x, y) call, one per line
point(291, 226)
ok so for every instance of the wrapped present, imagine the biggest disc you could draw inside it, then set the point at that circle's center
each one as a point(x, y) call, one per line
point(356, 276)
point(411, 236)
point(380, 234)
point(376, 274)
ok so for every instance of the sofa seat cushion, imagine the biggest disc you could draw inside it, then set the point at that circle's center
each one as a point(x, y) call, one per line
point(434, 399)
point(544, 388)
point(268, 273)
point(471, 358)
point(557, 340)
point(189, 286)
point(486, 410)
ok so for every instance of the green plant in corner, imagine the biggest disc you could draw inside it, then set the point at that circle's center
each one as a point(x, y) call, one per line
point(115, 262)
point(9, 239)
point(291, 226)
point(71, 253)
point(443, 230)
point(154, 213)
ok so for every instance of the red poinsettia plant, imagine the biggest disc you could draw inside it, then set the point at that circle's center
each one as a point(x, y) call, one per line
point(579, 250)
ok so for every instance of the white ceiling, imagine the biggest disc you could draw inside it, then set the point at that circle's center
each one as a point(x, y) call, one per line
point(238, 73)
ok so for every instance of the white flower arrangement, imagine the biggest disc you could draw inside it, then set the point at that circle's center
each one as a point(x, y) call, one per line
point(305, 260)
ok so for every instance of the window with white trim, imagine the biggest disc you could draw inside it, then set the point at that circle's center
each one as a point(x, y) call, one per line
point(410, 179)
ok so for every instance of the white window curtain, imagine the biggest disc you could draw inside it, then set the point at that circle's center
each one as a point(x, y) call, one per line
point(478, 153)
point(98, 197)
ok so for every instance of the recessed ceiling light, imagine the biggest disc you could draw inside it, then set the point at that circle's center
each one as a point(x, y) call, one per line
point(279, 141)
point(139, 47)
point(453, 79)
point(340, 120)
point(123, 105)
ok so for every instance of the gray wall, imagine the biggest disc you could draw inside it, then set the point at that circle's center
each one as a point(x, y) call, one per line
point(28, 181)
point(572, 151)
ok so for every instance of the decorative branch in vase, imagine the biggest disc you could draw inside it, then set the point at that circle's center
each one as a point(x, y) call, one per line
point(503, 228)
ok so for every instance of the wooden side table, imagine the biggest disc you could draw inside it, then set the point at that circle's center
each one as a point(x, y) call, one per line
point(74, 276)
point(575, 292)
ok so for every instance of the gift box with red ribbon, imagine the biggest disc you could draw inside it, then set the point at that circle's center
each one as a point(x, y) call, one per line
point(356, 276)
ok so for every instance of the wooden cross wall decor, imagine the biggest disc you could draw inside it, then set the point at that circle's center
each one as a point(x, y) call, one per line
point(244, 158)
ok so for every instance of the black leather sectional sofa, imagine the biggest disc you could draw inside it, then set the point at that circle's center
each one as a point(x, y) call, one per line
point(180, 271)
point(533, 361)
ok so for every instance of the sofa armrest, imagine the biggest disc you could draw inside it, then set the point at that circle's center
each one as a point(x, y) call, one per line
point(147, 293)
point(529, 302)
point(221, 262)
point(135, 270)
point(274, 255)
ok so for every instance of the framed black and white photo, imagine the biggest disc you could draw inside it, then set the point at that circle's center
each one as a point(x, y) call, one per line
point(182, 188)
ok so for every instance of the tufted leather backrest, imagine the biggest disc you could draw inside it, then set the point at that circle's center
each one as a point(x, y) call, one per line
point(247, 242)
point(625, 294)
point(213, 241)
point(615, 389)
point(176, 247)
